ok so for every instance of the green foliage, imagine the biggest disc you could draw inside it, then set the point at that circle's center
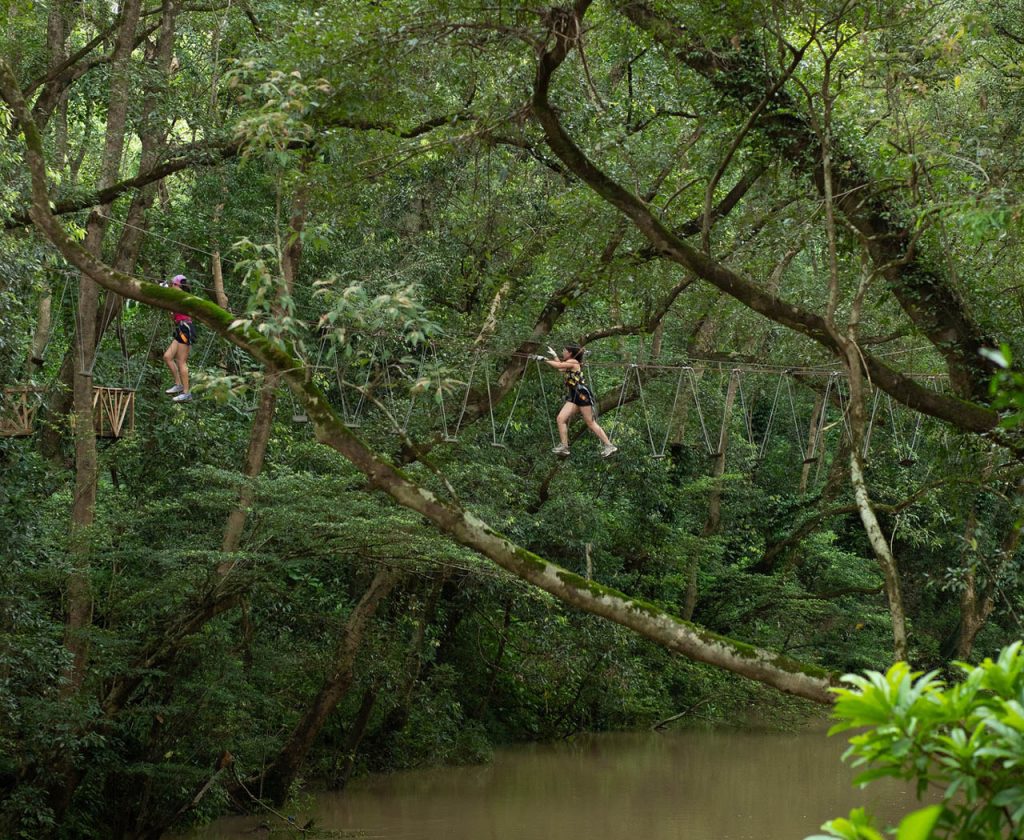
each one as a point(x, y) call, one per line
point(278, 104)
point(1007, 387)
point(963, 741)
point(437, 219)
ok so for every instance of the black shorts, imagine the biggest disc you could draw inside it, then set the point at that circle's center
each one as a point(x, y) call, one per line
point(185, 333)
point(581, 396)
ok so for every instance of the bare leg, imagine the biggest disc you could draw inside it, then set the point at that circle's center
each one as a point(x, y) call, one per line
point(591, 421)
point(564, 416)
point(182, 359)
point(171, 362)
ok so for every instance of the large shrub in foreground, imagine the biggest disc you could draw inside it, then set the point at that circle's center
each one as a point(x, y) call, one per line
point(963, 741)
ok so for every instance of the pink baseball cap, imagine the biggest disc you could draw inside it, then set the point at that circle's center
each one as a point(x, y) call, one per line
point(176, 279)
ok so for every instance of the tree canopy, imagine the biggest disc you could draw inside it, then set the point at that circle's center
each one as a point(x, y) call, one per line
point(787, 236)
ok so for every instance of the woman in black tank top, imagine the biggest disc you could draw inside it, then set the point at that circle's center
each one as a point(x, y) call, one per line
point(578, 399)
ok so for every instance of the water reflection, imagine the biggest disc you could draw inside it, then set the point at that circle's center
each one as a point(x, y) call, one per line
point(639, 786)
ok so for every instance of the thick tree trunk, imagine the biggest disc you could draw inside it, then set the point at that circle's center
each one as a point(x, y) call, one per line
point(928, 298)
point(282, 772)
point(971, 617)
point(83, 507)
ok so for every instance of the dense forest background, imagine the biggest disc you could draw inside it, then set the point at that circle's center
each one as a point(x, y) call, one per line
point(789, 236)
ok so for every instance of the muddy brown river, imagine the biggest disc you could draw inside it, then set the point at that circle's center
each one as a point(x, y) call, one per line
point(687, 785)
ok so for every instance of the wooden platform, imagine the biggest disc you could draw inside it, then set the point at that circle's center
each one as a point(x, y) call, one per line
point(18, 412)
point(113, 411)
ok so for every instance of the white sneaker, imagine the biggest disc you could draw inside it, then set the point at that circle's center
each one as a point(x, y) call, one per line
point(561, 449)
point(609, 450)
point(184, 397)
point(174, 389)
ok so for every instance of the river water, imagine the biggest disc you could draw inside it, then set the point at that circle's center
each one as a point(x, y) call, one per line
point(686, 785)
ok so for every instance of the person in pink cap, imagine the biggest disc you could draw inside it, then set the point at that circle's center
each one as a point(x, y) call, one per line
point(176, 354)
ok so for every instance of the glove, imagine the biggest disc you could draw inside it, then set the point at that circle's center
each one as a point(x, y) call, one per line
point(538, 358)
point(551, 352)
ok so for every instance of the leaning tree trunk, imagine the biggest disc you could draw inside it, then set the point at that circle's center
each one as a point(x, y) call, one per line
point(282, 772)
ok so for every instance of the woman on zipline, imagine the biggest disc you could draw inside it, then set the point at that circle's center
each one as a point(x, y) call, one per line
point(176, 354)
point(578, 399)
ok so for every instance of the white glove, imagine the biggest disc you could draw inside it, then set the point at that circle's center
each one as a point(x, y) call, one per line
point(551, 352)
point(538, 358)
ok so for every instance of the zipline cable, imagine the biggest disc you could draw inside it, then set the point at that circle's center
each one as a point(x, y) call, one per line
point(440, 391)
point(871, 423)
